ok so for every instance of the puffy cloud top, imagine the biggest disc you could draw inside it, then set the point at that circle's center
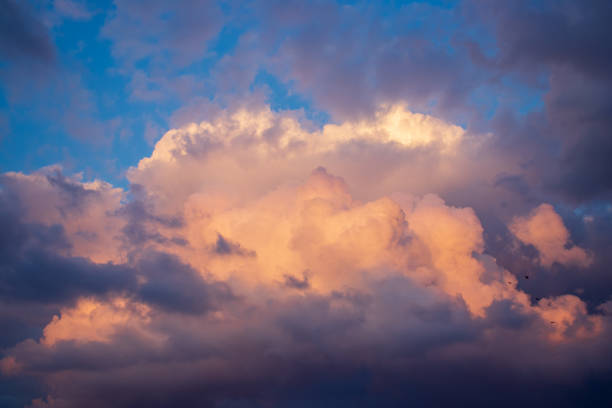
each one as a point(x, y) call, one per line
point(237, 246)
point(543, 228)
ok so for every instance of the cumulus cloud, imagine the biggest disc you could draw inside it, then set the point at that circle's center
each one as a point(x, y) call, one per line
point(238, 250)
point(221, 153)
point(544, 229)
point(386, 257)
point(84, 210)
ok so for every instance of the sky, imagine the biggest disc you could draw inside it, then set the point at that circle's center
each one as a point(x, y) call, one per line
point(305, 203)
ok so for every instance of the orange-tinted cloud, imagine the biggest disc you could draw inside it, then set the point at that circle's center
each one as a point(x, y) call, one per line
point(543, 228)
point(247, 244)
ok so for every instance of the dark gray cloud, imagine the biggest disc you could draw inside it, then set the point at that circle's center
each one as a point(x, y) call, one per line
point(562, 46)
point(22, 34)
point(297, 283)
point(392, 346)
point(73, 193)
point(142, 222)
point(224, 246)
point(172, 285)
point(548, 33)
point(34, 269)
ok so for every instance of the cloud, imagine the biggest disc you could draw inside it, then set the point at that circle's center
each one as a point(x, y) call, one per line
point(557, 47)
point(239, 251)
point(71, 9)
point(365, 57)
point(35, 267)
point(149, 29)
point(464, 61)
point(49, 198)
point(223, 246)
point(370, 260)
point(93, 321)
point(222, 152)
point(297, 283)
point(543, 228)
point(169, 284)
point(22, 35)
point(53, 253)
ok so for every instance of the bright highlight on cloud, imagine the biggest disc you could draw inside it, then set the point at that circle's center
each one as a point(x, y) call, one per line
point(246, 150)
point(240, 248)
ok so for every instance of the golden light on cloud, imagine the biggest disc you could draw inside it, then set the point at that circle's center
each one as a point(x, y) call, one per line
point(239, 225)
point(543, 228)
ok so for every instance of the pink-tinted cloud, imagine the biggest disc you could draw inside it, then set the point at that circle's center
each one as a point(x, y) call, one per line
point(543, 228)
point(240, 251)
point(84, 210)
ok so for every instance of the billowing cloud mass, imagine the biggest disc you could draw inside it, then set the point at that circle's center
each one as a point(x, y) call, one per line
point(241, 252)
point(246, 150)
point(293, 204)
